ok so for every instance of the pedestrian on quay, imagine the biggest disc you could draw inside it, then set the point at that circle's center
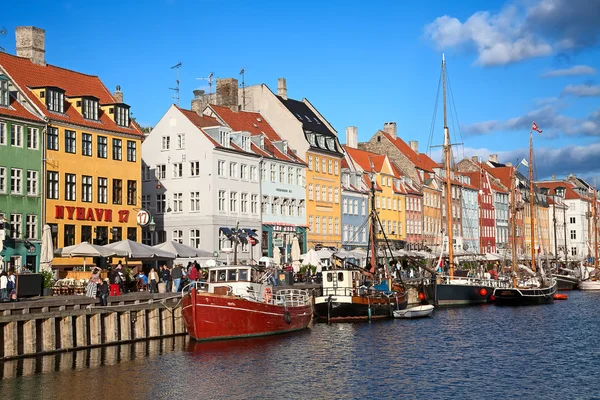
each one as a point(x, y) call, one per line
point(165, 275)
point(114, 278)
point(3, 286)
point(11, 286)
point(176, 275)
point(153, 281)
point(192, 273)
point(102, 292)
point(92, 286)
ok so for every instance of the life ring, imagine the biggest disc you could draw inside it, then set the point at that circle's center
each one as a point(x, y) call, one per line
point(268, 295)
point(287, 317)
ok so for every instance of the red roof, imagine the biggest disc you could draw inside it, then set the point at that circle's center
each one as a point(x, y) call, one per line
point(570, 193)
point(368, 161)
point(420, 160)
point(252, 122)
point(16, 109)
point(201, 121)
point(75, 84)
point(504, 174)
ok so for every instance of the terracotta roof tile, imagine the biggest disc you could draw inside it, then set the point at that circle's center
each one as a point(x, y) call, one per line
point(570, 193)
point(75, 84)
point(365, 158)
point(16, 110)
point(420, 160)
point(201, 121)
point(252, 122)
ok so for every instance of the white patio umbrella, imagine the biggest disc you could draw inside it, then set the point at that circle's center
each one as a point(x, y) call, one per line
point(47, 251)
point(295, 254)
point(277, 255)
point(312, 258)
point(182, 250)
point(130, 249)
point(84, 249)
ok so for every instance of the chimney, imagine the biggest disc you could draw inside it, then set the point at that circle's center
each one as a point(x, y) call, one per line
point(508, 164)
point(227, 93)
point(30, 43)
point(414, 145)
point(390, 127)
point(199, 101)
point(475, 159)
point(553, 177)
point(282, 88)
point(352, 137)
point(493, 158)
point(118, 95)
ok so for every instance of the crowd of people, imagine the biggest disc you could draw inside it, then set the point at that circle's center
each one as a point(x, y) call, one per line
point(8, 285)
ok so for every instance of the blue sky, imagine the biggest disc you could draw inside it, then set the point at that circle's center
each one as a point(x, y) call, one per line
point(362, 64)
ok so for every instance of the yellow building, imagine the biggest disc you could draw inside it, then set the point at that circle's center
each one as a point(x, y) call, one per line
point(390, 197)
point(92, 160)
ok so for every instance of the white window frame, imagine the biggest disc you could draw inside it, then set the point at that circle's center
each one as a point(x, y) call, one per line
point(244, 172)
point(16, 135)
point(233, 202)
point(233, 170)
point(33, 138)
point(177, 202)
point(194, 201)
point(166, 143)
point(16, 181)
point(16, 226)
point(253, 176)
point(221, 167)
point(177, 170)
point(32, 182)
point(195, 238)
point(181, 141)
point(194, 168)
point(222, 201)
point(31, 226)
point(254, 203)
point(52, 191)
point(177, 235)
point(3, 133)
point(3, 180)
point(103, 190)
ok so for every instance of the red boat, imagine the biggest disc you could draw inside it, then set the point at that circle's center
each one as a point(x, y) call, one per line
point(236, 303)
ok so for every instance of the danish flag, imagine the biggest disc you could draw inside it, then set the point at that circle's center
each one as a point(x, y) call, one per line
point(534, 127)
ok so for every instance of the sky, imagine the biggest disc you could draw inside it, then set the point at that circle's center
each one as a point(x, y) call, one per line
point(509, 63)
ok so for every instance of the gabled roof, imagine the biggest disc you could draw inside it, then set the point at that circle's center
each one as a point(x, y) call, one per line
point(201, 121)
point(420, 160)
point(504, 174)
point(475, 179)
point(310, 121)
point(570, 194)
point(369, 162)
point(75, 84)
point(17, 110)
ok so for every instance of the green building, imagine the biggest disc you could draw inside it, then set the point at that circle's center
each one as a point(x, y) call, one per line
point(21, 179)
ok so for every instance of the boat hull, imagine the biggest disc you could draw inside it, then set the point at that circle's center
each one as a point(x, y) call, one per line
point(357, 308)
point(219, 317)
point(589, 285)
point(524, 297)
point(448, 295)
point(414, 312)
point(565, 282)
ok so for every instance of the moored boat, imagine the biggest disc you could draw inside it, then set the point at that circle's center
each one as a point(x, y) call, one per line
point(414, 312)
point(566, 282)
point(589, 284)
point(236, 303)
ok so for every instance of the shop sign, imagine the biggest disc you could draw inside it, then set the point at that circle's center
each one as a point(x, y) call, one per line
point(143, 217)
point(284, 228)
point(278, 242)
point(89, 214)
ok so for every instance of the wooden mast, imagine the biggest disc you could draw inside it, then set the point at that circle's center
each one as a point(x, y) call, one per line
point(513, 202)
point(595, 228)
point(448, 182)
point(532, 200)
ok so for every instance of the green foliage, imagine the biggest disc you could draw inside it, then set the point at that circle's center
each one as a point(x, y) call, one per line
point(48, 278)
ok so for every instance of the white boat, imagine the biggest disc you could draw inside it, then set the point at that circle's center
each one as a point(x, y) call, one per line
point(414, 312)
point(589, 285)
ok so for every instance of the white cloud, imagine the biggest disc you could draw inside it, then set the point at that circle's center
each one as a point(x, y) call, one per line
point(516, 33)
point(582, 90)
point(575, 70)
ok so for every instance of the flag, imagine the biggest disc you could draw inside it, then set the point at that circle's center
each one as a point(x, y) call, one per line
point(534, 127)
point(525, 163)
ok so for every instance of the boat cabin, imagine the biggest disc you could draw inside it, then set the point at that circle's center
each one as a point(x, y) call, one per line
point(236, 280)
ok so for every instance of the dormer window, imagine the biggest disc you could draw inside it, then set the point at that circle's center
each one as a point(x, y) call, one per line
point(90, 109)
point(321, 142)
point(312, 139)
point(245, 143)
point(224, 138)
point(4, 93)
point(55, 100)
point(122, 116)
point(285, 146)
point(262, 142)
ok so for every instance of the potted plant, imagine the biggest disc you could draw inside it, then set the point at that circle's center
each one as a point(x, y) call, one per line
point(48, 282)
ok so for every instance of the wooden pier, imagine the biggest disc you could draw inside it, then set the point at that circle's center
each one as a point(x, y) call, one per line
point(63, 323)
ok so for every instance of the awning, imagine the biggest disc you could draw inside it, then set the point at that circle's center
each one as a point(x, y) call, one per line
point(250, 232)
point(228, 232)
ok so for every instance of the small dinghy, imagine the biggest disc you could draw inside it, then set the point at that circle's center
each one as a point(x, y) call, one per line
point(414, 312)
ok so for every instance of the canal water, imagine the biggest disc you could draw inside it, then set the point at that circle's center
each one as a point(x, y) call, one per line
point(482, 352)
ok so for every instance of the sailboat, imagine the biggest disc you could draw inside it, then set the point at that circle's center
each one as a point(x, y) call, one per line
point(451, 289)
point(592, 281)
point(530, 286)
point(351, 293)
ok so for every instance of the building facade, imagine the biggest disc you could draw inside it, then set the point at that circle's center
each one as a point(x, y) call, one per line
point(470, 215)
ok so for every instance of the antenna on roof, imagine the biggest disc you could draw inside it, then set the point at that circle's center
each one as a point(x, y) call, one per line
point(2, 33)
point(209, 78)
point(176, 88)
point(242, 72)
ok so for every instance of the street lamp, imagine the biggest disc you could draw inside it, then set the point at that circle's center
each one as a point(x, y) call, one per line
point(152, 228)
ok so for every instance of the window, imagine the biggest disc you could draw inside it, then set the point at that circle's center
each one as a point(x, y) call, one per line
point(330, 225)
point(132, 193)
point(117, 149)
point(16, 226)
point(299, 176)
point(355, 211)
point(290, 175)
point(345, 206)
point(221, 168)
point(194, 201)
point(330, 167)
point(336, 168)
point(69, 235)
point(52, 138)
point(345, 234)
point(131, 233)
point(194, 168)
point(571, 220)
point(103, 190)
point(222, 200)
point(324, 193)
point(55, 100)
point(323, 165)
point(16, 136)
point(281, 174)
point(273, 173)
point(330, 190)
point(233, 202)
point(177, 202)
point(31, 228)
point(161, 203)
point(166, 143)
point(161, 171)
point(52, 185)
point(32, 138)
point(181, 141)
point(317, 192)
point(117, 191)
point(2, 133)
point(253, 173)
point(145, 201)
point(245, 143)
point(32, 183)
point(336, 193)
point(90, 109)
point(70, 187)
point(265, 204)
point(86, 144)
point(177, 170)
point(178, 236)
point(86, 189)
point(224, 138)
point(337, 226)
point(318, 224)
point(263, 172)
point(131, 151)
point(244, 172)
point(316, 164)
point(254, 203)
point(4, 92)
point(233, 170)
point(2, 179)
point(16, 181)
point(195, 238)
point(310, 163)
point(122, 116)
point(102, 147)
point(244, 203)
point(363, 208)
point(573, 235)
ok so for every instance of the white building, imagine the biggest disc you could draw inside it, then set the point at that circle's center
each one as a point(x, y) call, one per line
point(199, 180)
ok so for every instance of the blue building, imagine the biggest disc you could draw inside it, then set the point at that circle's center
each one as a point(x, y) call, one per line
point(470, 216)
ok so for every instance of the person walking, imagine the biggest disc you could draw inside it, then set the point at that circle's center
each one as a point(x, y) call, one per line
point(193, 273)
point(176, 275)
point(153, 281)
point(102, 292)
point(3, 287)
point(165, 275)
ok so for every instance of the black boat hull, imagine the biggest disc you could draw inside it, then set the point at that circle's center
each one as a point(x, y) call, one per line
point(564, 282)
point(447, 295)
point(524, 297)
point(358, 310)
